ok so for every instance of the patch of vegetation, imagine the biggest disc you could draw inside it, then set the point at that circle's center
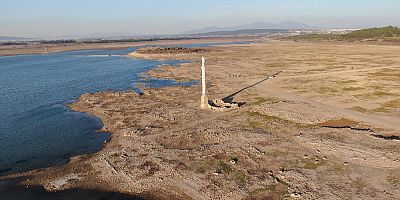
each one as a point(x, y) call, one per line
point(338, 123)
point(359, 184)
point(290, 160)
point(239, 177)
point(374, 33)
point(313, 164)
point(351, 89)
point(168, 50)
point(375, 94)
point(266, 117)
point(335, 136)
point(315, 37)
point(258, 101)
point(393, 40)
point(255, 124)
point(203, 167)
point(392, 104)
point(393, 180)
point(224, 168)
point(325, 90)
point(261, 100)
point(269, 120)
point(383, 72)
point(336, 168)
point(388, 33)
point(387, 106)
point(381, 94)
point(277, 153)
point(271, 65)
point(359, 109)
point(381, 109)
point(278, 191)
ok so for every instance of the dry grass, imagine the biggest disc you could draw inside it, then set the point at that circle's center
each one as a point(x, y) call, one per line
point(339, 123)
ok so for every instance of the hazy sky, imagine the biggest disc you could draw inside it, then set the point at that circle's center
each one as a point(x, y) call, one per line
point(59, 18)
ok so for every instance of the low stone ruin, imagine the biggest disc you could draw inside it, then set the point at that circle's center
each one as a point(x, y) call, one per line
point(220, 105)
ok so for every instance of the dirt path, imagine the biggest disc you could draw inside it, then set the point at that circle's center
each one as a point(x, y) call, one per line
point(272, 89)
point(337, 72)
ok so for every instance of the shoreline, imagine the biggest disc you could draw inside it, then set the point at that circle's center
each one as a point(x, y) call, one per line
point(165, 147)
point(11, 51)
point(104, 128)
point(102, 117)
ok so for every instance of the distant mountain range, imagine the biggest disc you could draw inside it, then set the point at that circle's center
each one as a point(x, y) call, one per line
point(257, 25)
point(240, 32)
point(8, 38)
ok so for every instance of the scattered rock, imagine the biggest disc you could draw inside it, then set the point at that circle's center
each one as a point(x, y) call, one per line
point(63, 181)
point(220, 105)
point(295, 195)
point(235, 75)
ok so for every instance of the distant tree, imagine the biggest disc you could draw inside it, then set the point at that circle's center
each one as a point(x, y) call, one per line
point(388, 33)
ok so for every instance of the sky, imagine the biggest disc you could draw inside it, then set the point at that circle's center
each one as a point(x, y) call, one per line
point(69, 18)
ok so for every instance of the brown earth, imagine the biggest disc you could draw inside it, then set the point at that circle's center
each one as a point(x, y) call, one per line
point(276, 146)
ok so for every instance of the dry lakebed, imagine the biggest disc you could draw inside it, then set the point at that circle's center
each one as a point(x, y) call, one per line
point(325, 126)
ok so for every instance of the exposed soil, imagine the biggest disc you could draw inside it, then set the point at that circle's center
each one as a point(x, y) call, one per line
point(273, 147)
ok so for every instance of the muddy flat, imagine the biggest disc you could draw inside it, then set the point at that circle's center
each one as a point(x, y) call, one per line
point(325, 127)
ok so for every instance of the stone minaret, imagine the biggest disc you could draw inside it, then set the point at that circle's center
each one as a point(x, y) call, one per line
point(204, 99)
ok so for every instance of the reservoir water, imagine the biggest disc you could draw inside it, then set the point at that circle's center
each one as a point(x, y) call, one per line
point(36, 127)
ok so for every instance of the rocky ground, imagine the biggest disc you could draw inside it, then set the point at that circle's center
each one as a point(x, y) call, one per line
point(298, 135)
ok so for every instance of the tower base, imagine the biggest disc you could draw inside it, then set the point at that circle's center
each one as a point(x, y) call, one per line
point(204, 102)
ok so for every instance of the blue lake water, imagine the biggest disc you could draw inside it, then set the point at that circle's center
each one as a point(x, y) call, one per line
point(36, 127)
